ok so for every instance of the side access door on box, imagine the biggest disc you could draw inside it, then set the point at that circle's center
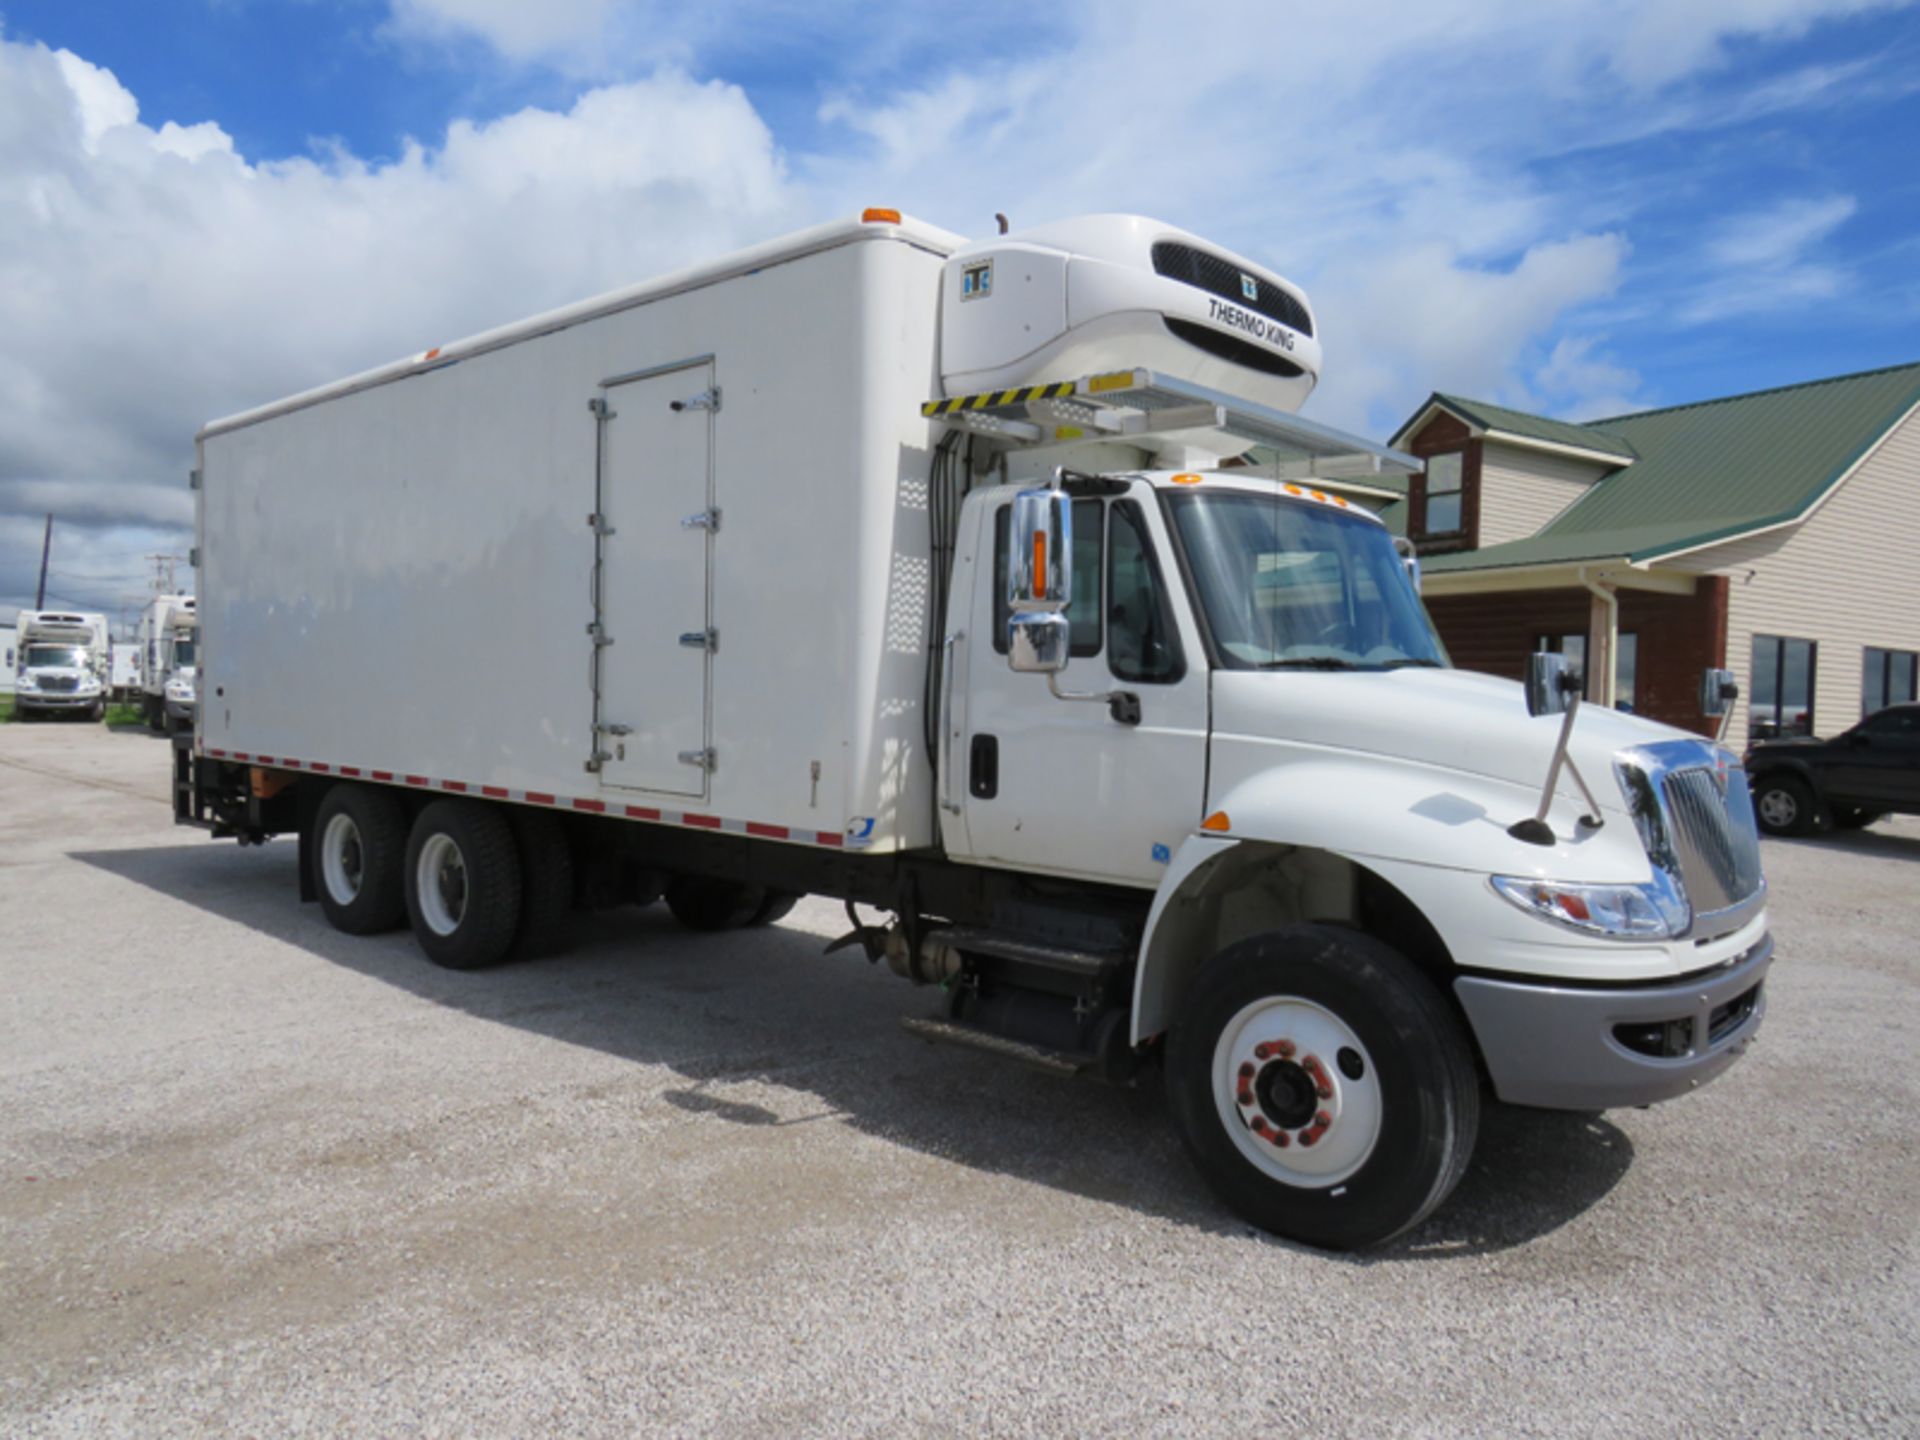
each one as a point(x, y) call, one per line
point(654, 526)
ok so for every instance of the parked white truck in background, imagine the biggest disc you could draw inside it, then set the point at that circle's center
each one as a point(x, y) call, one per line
point(167, 639)
point(60, 665)
point(824, 521)
point(123, 673)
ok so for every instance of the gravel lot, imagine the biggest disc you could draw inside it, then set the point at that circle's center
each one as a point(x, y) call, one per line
point(261, 1178)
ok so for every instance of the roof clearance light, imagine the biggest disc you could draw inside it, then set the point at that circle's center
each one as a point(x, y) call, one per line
point(1217, 821)
point(874, 215)
point(1188, 479)
point(1294, 490)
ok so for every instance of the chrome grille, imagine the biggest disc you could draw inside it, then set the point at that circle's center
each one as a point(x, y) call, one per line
point(59, 683)
point(1714, 837)
point(1694, 811)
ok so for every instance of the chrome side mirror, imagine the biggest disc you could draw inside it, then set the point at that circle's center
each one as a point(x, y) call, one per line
point(1551, 686)
point(1040, 577)
point(1037, 642)
point(1409, 557)
point(1718, 691)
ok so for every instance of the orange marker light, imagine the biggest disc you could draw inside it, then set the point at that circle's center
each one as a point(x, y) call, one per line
point(1217, 821)
point(431, 353)
point(874, 215)
point(1039, 564)
point(1295, 490)
point(1317, 495)
point(1186, 479)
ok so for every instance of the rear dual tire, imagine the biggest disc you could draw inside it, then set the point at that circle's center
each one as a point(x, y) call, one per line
point(463, 884)
point(702, 903)
point(359, 853)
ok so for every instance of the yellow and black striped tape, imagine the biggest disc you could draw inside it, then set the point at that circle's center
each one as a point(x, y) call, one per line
point(990, 399)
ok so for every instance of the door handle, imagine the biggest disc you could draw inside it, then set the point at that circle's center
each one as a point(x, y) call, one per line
point(983, 767)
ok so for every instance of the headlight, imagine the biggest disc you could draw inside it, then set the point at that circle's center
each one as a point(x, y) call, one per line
point(1630, 912)
point(27, 682)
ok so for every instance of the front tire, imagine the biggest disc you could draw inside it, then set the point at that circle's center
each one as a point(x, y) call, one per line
point(1783, 804)
point(1340, 1149)
point(463, 884)
point(359, 859)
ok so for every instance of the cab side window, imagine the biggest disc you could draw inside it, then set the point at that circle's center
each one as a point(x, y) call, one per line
point(1083, 611)
point(1142, 645)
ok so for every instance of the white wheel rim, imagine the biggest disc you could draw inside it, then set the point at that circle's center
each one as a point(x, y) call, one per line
point(1297, 1091)
point(440, 880)
point(342, 859)
point(1777, 807)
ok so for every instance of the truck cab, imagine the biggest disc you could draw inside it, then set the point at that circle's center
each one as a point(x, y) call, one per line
point(60, 664)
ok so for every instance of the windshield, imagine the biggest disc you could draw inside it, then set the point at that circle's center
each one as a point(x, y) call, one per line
point(1302, 586)
point(182, 653)
point(70, 657)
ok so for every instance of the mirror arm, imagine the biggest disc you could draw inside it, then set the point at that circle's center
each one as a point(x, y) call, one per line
point(1535, 830)
point(1122, 705)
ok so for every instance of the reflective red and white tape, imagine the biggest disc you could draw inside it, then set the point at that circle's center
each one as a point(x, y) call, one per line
point(585, 804)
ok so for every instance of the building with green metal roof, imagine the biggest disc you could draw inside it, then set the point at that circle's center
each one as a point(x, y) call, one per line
point(1774, 533)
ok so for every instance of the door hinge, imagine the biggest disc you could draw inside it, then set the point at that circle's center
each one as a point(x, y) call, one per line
point(598, 634)
point(596, 760)
point(193, 479)
point(705, 400)
point(705, 759)
point(614, 729)
point(597, 523)
point(707, 640)
point(707, 520)
point(600, 408)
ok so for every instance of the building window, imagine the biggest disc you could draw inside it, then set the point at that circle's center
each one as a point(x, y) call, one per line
point(1445, 506)
point(1886, 678)
point(1626, 662)
point(1782, 687)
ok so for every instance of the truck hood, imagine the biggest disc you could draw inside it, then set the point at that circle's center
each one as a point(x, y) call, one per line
point(1450, 719)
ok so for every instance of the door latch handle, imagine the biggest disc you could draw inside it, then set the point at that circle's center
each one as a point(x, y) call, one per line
point(707, 640)
point(705, 400)
point(700, 759)
point(707, 520)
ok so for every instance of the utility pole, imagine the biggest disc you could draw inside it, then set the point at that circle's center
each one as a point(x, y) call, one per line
point(46, 547)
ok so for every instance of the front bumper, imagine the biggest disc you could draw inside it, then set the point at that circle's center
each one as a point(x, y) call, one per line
point(1563, 1048)
point(181, 709)
point(55, 700)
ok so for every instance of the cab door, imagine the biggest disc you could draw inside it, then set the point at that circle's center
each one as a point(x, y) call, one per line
point(1061, 786)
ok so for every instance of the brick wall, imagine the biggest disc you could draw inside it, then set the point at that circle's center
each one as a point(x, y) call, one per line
point(1680, 635)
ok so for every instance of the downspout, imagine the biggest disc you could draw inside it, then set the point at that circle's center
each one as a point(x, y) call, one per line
point(1603, 693)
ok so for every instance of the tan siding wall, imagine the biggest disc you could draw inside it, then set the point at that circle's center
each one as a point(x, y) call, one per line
point(1521, 490)
point(1847, 578)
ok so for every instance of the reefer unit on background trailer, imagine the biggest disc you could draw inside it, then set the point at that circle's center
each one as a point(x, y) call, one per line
point(996, 586)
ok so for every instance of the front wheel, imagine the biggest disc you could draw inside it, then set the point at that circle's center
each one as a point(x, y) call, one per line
point(1783, 804)
point(1323, 1086)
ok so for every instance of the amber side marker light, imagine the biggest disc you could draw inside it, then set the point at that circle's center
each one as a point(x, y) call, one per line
point(1217, 821)
point(874, 215)
point(1186, 479)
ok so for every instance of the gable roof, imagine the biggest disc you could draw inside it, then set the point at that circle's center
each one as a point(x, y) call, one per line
point(1708, 472)
point(1499, 421)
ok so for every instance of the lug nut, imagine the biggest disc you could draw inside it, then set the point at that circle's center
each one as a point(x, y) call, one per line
point(1246, 1070)
point(1322, 1120)
point(1285, 1047)
point(1246, 1097)
point(1308, 1137)
point(1281, 1139)
point(1259, 1124)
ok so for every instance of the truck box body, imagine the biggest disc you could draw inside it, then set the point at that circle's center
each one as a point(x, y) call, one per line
point(371, 552)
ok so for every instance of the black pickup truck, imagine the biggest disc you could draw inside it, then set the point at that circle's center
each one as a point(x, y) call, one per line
point(1851, 780)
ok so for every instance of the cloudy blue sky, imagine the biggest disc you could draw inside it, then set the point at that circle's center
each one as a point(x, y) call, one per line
point(1579, 208)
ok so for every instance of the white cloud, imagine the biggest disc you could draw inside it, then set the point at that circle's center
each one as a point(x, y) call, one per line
point(1399, 158)
point(151, 279)
point(1768, 259)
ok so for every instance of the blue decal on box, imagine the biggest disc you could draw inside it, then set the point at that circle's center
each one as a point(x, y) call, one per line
point(1161, 854)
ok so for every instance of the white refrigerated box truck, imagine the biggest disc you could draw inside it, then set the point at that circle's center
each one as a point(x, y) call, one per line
point(996, 587)
point(165, 641)
point(61, 663)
